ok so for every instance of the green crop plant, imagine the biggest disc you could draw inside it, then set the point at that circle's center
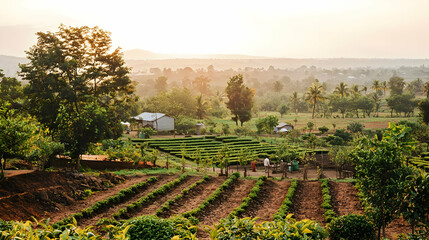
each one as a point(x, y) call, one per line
point(252, 195)
point(123, 212)
point(213, 196)
point(287, 202)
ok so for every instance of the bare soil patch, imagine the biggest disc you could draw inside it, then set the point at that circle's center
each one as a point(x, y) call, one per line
point(270, 199)
point(344, 198)
point(41, 194)
point(195, 197)
point(397, 227)
point(65, 211)
point(307, 201)
point(151, 208)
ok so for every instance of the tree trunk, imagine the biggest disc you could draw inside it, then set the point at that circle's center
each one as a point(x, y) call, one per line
point(2, 169)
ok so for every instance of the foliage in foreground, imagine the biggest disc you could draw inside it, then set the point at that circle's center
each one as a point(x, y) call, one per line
point(246, 228)
point(44, 231)
point(151, 227)
point(352, 226)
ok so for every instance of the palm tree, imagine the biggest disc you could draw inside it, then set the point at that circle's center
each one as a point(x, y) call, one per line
point(314, 95)
point(342, 89)
point(365, 88)
point(355, 90)
point(294, 100)
point(384, 87)
point(426, 89)
point(376, 99)
point(201, 107)
point(376, 86)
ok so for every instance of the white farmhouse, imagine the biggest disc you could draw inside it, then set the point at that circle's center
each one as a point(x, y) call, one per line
point(283, 127)
point(157, 121)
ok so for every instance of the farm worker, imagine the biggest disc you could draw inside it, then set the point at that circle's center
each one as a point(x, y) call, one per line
point(266, 164)
point(253, 163)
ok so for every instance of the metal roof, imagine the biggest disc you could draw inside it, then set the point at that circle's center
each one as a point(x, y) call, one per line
point(149, 117)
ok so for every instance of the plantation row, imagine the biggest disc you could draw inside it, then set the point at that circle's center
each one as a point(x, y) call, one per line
point(147, 206)
point(248, 198)
point(209, 148)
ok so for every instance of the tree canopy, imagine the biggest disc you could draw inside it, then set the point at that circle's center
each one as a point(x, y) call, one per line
point(73, 68)
point(240, 99)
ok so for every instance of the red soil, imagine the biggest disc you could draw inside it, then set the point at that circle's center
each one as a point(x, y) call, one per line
point(307, 202)
point(344, 199)
point(226, 203)
point(270, 199)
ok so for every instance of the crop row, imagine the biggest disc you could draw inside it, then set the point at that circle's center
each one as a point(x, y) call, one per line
point(185, 191)
point(326, 205)
point(287, 203)
point(215, 195)
point(122, 213)
point(120, 197)
point(252, 195)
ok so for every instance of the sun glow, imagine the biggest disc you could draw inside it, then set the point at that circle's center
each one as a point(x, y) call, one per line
point(309, 28)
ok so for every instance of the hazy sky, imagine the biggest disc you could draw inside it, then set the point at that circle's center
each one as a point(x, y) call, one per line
point(284, 28)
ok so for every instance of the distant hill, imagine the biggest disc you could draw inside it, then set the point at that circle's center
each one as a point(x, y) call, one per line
point(278, 63)
point(9, 64)
point(139, 54)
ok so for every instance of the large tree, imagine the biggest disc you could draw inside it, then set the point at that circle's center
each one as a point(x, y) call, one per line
point(396, 85)
point(73, 67)
point(11, 93)
point(314, 96)
point(240, 99)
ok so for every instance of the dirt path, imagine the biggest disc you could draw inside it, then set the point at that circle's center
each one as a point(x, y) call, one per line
point(397, 227)
point(225, 204)
point(195, 197)
point(307, 202)
point(344, 198)
point(155, 204)
point(162, 179)
point(269, 200)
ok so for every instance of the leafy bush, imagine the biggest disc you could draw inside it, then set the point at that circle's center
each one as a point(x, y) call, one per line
point(246, 228)
point(323, 129)
point(355, 127)
point(352, 226)
point(45, 231)
point(151, 227)
point(342, 133)
point(334, 140)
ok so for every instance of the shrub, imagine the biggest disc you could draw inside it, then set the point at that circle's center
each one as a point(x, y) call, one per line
point(323, 129)
point(151, 227)
point(352, 226)
point(246, 228)
point(355, 127)
point(346, 136)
